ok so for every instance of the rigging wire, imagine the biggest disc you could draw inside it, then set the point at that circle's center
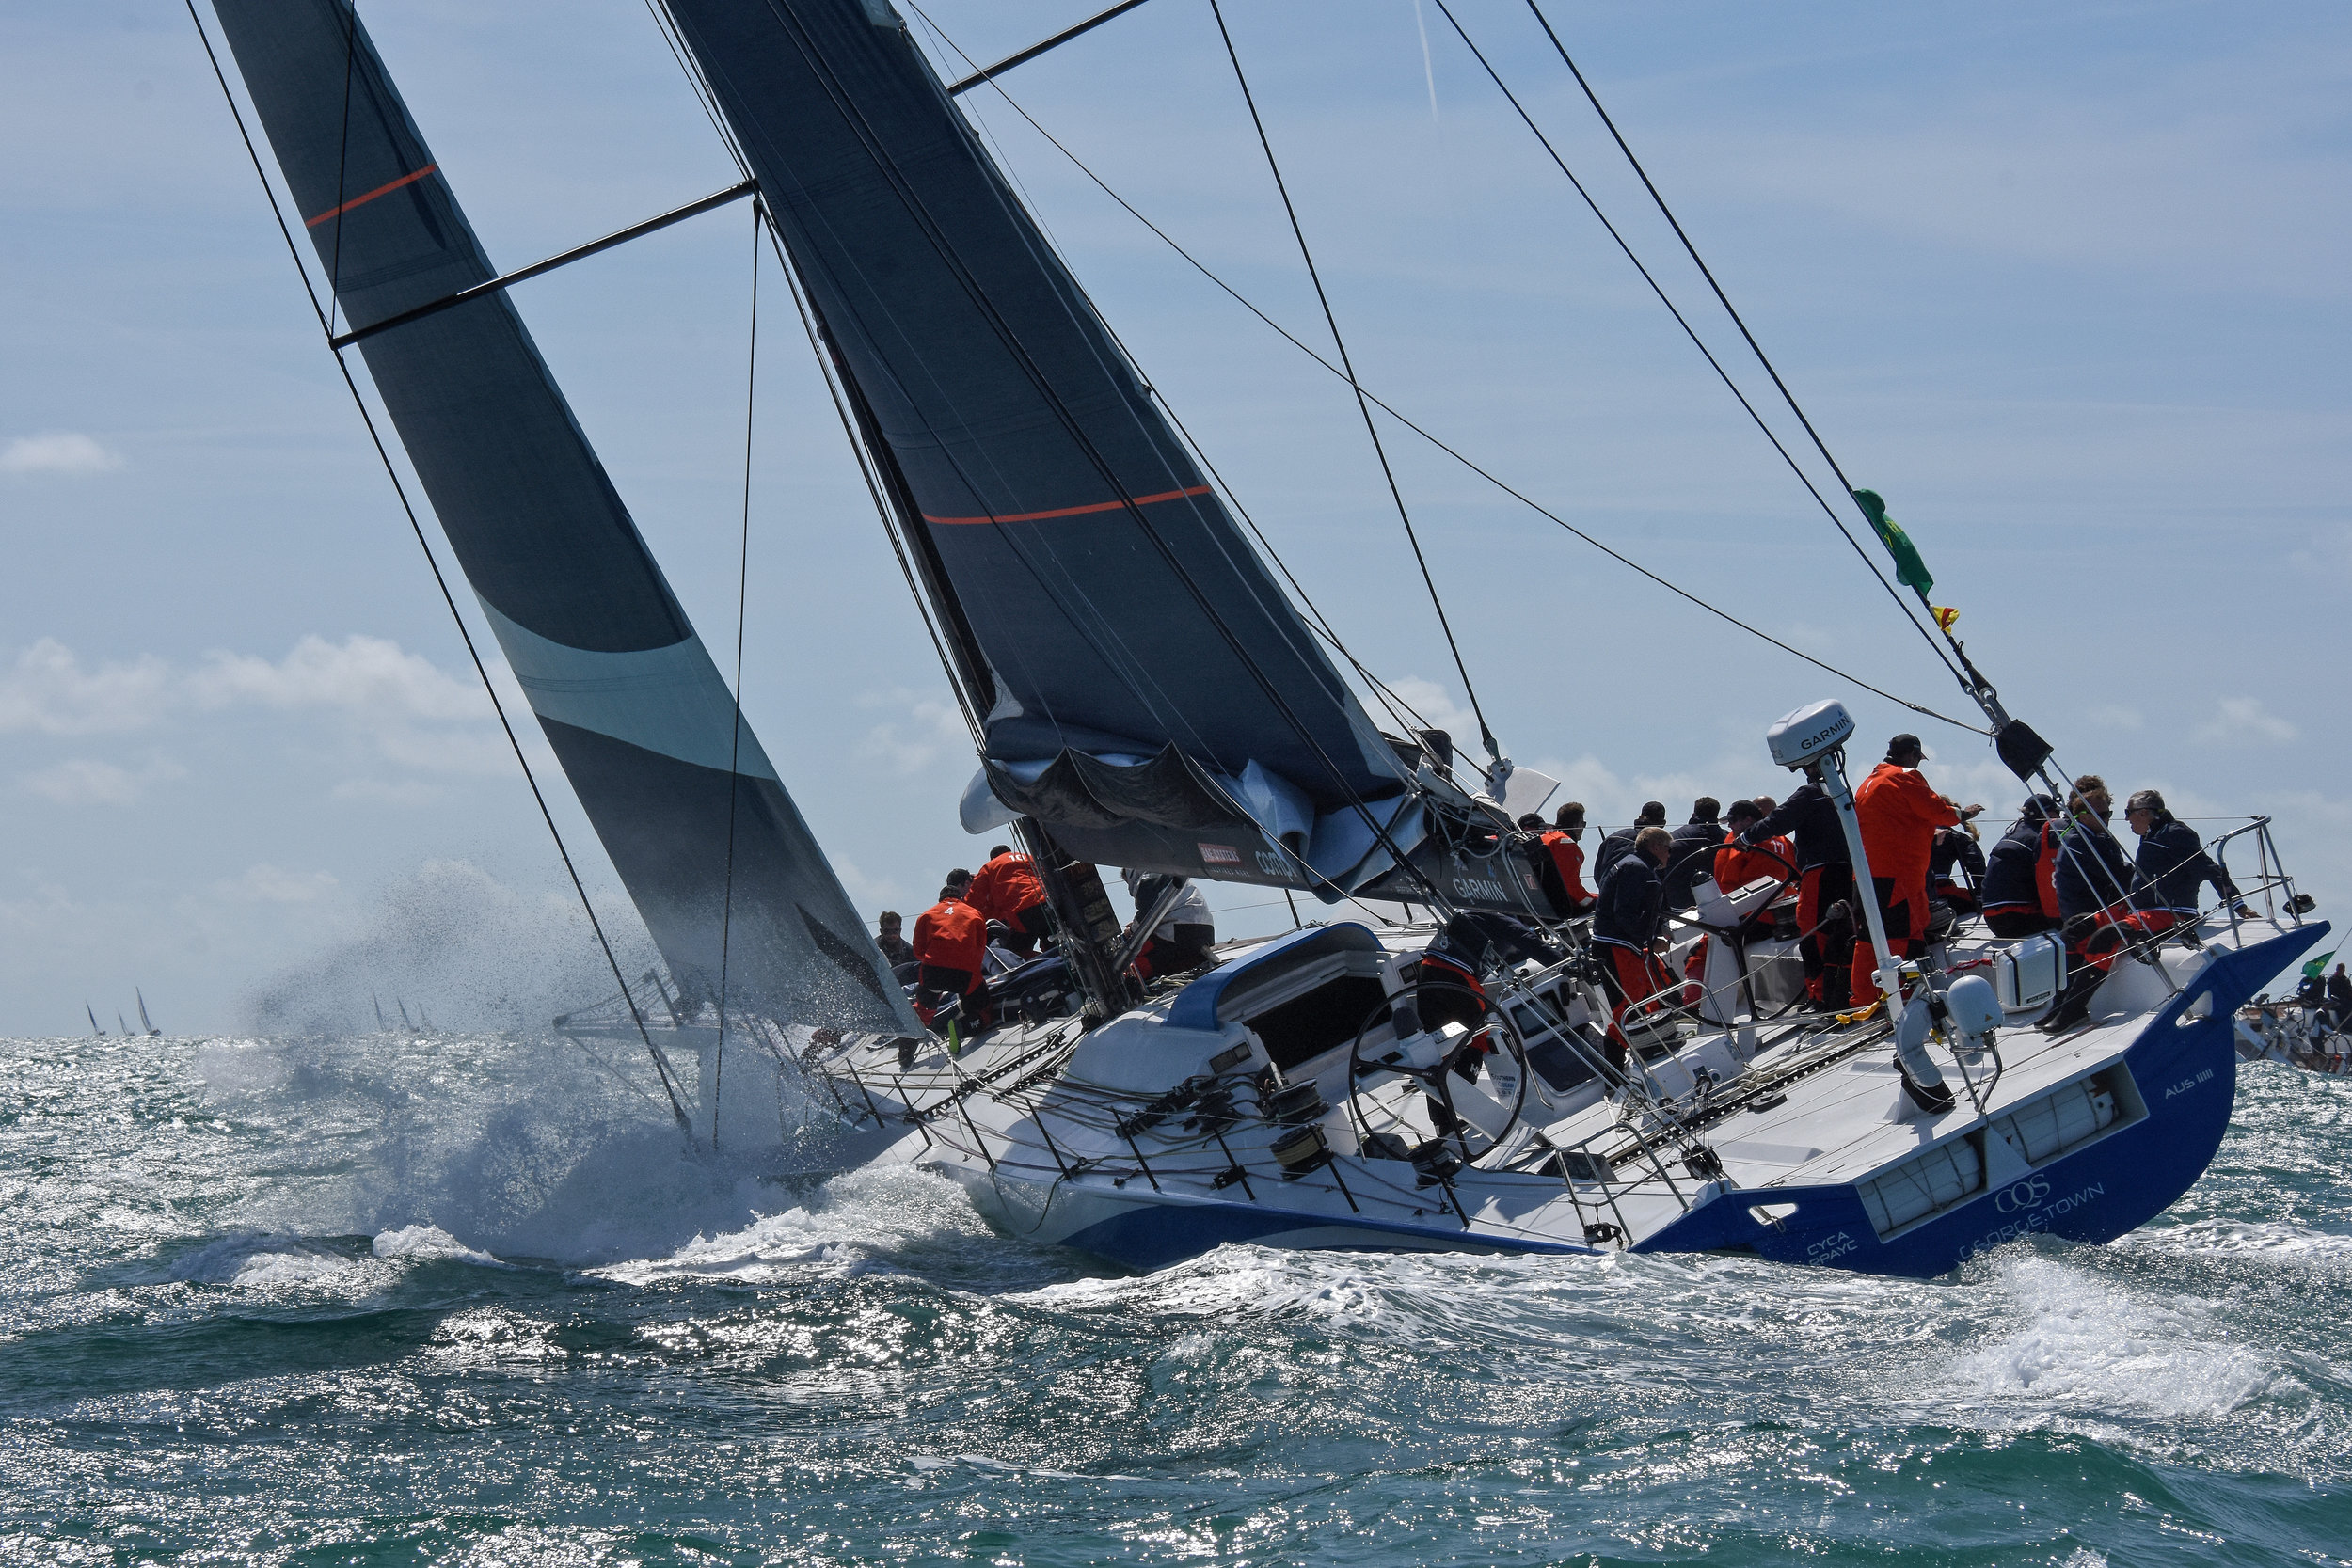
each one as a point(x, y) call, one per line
point(1348, 367)
point(1910, 615)
point(735, 741)
point(661, 1066)
point(1439, 442)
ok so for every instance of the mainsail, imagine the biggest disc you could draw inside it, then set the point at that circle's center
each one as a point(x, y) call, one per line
point(627, 696)
point(1151, 695)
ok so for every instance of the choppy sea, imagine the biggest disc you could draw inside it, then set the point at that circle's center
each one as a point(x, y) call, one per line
point(462, 1300)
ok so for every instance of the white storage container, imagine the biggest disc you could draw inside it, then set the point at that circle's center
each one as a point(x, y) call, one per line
point(2026, 977)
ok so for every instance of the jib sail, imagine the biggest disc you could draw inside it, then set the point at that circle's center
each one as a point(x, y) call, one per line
point(626, 694)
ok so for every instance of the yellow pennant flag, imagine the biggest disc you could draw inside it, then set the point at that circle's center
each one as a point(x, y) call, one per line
point(1944, 616)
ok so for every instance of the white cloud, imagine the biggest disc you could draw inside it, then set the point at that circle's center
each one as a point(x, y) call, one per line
point(1437, 709)
point(2241, 718)
point(932, 729)
point(270, 885)
point(56, 453)
point(81, 781)
point(47, 689)
point(361, 675)
point(2116, 716)
point(416, 714)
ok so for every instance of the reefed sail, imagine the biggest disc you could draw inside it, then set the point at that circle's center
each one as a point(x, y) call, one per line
point(629, 698)
point(1150, 695)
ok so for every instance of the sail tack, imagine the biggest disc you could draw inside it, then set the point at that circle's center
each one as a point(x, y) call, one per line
point(1119, 617)
point(626, 694)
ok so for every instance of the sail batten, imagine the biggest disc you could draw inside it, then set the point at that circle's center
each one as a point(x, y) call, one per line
point(1102, 580)
point(713, 851)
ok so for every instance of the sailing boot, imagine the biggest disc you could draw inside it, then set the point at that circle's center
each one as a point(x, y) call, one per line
point(2073, 1004)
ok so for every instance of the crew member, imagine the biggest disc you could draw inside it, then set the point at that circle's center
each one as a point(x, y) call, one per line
point(1447, 985)
point(1620, 844)
point(1694, 852)
point(1625, 925)
point(2094, 880)
point(2173, 863)
point(895, 950)
point(1008, 888)
point(2339, 998)
point(1899, 812)
point(2019, 875)
point(1741, 859)
point(1733, 865)
point(1825, 919)
point(1185, 932)
point(1956, 868)
point(1563, 845)
point(952, 946)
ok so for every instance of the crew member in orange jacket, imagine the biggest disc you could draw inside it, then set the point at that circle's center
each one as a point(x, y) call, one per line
point(1736, 864)
point(1008, 888)
point(1899, 812)
point(1561, 841)
point(951, 945)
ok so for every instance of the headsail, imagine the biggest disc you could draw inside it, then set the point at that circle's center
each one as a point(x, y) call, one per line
point(1151, 696)
point(629, 698)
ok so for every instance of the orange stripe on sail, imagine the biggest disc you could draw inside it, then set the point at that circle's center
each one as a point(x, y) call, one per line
point(363, 200)
point(1079, 511)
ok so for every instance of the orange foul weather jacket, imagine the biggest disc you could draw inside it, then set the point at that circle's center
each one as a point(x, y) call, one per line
point(1899, 812)
point(1568, 858)
point(1005, 886)
point(952, 937)
point(1738, 865)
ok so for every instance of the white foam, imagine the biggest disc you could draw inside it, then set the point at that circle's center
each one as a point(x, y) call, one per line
point(855, 1222)
point(253, 1261)
point(422, 1242)
point(2283, 1240)
point(2087, 1347)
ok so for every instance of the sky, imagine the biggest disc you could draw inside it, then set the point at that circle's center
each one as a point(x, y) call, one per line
point(2066, 282)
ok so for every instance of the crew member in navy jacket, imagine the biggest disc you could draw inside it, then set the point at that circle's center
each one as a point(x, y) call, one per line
point(2020, 890)
point(1625, 923)
point(2173, 863)
point(2095, 886)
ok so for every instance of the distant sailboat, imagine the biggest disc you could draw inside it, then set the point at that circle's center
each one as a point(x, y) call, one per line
point(403, 1013)
point(93, 1021)
point(126, 1028)
point(146, 1022)
point(380, 1024)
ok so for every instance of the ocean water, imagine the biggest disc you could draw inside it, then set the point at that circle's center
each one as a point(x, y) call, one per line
point(462, 1300)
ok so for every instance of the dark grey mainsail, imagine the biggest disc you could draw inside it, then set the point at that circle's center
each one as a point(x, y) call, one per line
point(1150, 695)
point(626, 694)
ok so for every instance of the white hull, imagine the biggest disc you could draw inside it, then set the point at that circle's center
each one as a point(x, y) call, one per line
point(1804, 1148)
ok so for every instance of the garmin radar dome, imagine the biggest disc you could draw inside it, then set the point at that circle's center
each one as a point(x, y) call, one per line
point(1803, 737)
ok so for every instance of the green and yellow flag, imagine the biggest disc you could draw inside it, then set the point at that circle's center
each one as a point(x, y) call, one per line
point(1909, 570)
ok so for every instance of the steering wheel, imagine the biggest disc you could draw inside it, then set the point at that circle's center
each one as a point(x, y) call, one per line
point(1440, 1081)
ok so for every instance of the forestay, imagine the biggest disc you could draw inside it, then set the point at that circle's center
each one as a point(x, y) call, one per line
point(1150, 693)
point(626, 694)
